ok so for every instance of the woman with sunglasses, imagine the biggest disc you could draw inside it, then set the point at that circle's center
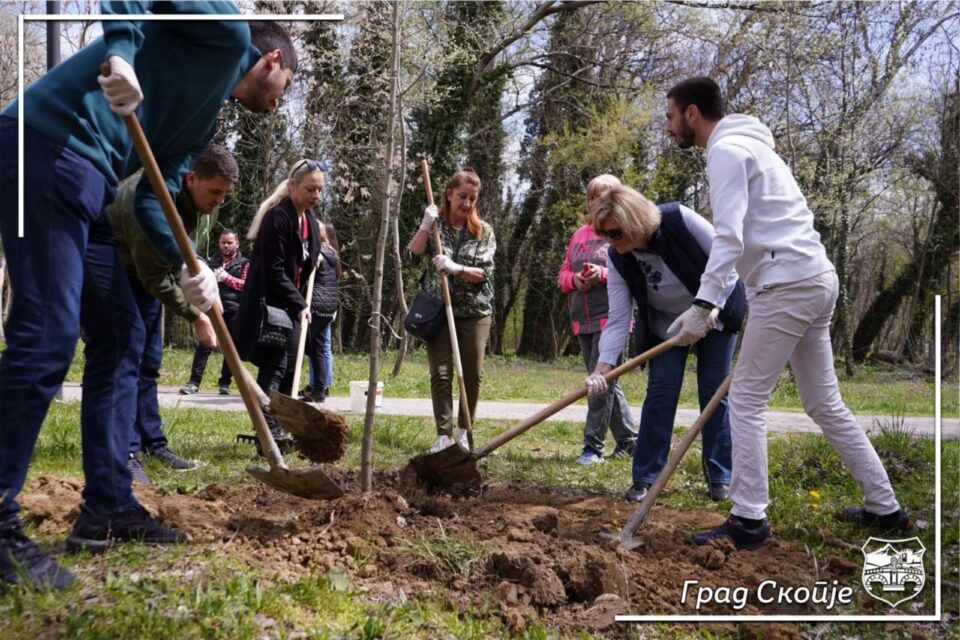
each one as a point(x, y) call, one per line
point(660, 252)
point(286, 245)
point(583, 277)
point(467, 260)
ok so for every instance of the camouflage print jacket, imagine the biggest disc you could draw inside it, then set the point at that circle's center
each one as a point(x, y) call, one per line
point(470, 300)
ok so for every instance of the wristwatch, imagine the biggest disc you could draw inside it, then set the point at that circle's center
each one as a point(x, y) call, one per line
point(703, 304)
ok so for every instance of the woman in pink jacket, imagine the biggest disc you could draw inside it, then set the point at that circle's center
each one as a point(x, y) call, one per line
point(583, 277)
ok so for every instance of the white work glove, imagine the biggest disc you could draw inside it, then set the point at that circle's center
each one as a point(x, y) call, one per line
point(221, 274)
point(121, 87)
point(200, 290)
point(429, 216)
point(443, 263)
point(596, 385)
point(693, 324)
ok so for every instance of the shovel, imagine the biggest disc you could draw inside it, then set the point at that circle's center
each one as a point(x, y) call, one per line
point(465, 417)
point(310, 483)
point(455, 465)
point(627, 538)
point(302, 345)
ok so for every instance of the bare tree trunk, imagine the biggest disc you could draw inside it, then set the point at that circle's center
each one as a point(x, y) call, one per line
point(366, 451)
point(404, 341)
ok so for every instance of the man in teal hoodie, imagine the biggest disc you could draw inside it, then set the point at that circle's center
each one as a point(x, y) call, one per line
point(65, 267)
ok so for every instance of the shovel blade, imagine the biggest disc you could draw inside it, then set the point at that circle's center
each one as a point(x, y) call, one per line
point(310, 483)
point(447, 467)
point(320, 434)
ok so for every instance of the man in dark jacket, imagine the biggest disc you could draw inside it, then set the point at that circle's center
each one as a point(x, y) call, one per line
point(154, 283)
point(230, 267)
point(60, 247)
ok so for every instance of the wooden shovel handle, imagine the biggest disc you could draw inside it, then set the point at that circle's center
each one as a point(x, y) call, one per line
point(304, 327)
point(548, 411)
point(467, 419)
point(230, 353)
point(641, 513)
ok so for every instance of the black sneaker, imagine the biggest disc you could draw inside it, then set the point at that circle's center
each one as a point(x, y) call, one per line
point(897, 522)
point(96, 533)
point(224, 389)
point(734, 529)
point(719, 491)
point(189, 389)
point(637, 492)
point(172, 460)
point(22, 561)
point(623, 450)
point(314, 394)
point(137, 472)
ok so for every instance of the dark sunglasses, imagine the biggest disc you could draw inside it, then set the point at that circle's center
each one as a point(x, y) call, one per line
point(611, 234)
point(312, 165)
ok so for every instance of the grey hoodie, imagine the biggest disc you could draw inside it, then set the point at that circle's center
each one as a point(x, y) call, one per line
point(764, 228)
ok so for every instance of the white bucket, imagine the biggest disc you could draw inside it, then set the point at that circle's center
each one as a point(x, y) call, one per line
point(358, 395)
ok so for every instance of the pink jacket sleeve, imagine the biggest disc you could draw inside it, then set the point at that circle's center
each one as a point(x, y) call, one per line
point(565, 276)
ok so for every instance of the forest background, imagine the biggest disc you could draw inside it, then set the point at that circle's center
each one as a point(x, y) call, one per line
point(862, 98)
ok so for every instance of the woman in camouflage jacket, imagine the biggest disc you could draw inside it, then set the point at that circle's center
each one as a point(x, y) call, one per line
point(467, 260)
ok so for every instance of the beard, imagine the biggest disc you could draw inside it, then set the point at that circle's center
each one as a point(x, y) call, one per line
point(258, 99)
point(686, 137)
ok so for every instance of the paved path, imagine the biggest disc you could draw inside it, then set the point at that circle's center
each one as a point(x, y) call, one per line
point(778, 421)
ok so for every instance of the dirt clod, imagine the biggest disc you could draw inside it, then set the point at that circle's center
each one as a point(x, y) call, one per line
point(539, 581)
point(709, 557)
point(595, 575)
point(547, 522)
point(507, 592)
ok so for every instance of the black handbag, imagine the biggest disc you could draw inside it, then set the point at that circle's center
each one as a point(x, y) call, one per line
point(425, 317)
point(275, 327)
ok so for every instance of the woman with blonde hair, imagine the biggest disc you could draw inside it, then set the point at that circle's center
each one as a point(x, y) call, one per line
point(583, 277)
point(287, 242)
point(660, 252)
point(468, 248)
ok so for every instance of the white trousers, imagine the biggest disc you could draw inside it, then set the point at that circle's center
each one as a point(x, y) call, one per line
point(791, 322)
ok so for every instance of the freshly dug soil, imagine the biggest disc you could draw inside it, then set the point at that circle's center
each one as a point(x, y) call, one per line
point(522, 553)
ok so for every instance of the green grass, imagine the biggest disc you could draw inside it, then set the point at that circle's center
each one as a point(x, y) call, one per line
point(193, 592)
point(872, 390)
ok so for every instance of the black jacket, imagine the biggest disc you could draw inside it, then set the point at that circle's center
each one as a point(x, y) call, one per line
point(277, 255)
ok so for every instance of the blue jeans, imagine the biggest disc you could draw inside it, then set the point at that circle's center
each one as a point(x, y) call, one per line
point(327, 352)
point(147, 431)
point(714, 358)
point(66, 273)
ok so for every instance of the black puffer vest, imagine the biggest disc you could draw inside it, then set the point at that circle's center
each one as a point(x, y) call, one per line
point(229, 297)
point(325, 285)
point(679, 249)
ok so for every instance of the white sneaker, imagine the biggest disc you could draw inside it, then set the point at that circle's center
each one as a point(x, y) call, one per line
point(442, 442)
point(460, 437)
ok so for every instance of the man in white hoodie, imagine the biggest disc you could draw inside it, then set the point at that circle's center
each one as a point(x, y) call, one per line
point(764, 230)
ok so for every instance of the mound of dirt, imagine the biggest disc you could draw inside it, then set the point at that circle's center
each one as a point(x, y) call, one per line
point(534, 553)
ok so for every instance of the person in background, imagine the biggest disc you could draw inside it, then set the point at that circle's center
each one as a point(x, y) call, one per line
point(468, 249)
point(583, 277)
point(659, 254)
point(154, 283)
point(764, 229)
point(64, 265)
point(286, 248)
point(230, 268)
point(323, 310)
